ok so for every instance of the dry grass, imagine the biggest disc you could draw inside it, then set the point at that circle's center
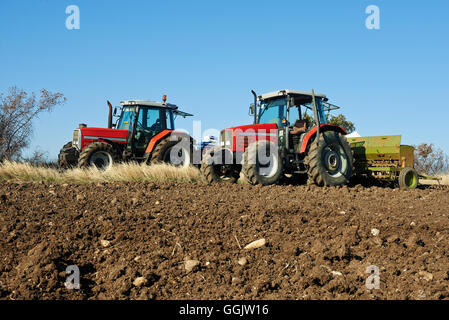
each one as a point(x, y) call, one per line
point(20, 172)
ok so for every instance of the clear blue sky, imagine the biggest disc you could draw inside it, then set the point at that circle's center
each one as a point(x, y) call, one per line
point(208, 55)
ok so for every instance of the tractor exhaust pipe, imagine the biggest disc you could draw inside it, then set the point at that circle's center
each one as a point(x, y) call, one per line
point(255, 106)
point(110, 115)
point(316, 115)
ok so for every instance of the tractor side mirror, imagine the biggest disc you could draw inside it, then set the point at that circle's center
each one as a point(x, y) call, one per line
point(115, 111)
point(251, 109)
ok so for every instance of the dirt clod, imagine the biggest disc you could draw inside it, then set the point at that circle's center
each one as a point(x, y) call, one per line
point(105, 243)
point(140, 281)
point(189, 265)
point(242, 261)
point(255, 244)
point(426, 275)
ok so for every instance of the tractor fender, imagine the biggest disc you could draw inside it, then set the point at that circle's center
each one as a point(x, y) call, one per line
point(323, 128)
point(162, 135)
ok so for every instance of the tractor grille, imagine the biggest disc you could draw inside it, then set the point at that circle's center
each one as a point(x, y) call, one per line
point(76, 142)
point(75, 135)
point(294, 141)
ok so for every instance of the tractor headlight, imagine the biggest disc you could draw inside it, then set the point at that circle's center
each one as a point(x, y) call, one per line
point(76, 141)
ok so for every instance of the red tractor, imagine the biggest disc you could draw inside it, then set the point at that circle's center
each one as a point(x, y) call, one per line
point(282, 141)
point(143, 132)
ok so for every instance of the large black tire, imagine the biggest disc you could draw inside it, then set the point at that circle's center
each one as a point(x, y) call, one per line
point(331, 162)
point(408, 178)
point(163, 151)
point(99, 154)
point(255, 171)
point(68, 156)
point(218, 171)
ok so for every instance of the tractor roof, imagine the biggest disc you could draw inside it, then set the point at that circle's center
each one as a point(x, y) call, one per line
point(148, 103)
point(281, 93)
point(155, 104)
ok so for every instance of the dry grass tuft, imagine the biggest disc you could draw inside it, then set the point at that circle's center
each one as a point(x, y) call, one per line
point(23, 172)
point(20, 172)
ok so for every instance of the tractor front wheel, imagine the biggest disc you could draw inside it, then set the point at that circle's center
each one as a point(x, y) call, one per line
point(408, 178)
point(177, 153)
point(215, 169)
point(329, 163)
point(262, 163)
point(68, 156)
point(99, 154)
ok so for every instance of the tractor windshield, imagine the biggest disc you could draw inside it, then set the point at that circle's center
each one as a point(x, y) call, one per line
point(126, 118)
point(273, 111)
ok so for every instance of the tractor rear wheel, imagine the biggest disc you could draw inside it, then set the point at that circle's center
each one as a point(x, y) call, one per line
point(408, 178)
point(99, 154)
point(218, 172)
point(329, 163)
point(177, 153)
point(68, 156)
point(262, 163)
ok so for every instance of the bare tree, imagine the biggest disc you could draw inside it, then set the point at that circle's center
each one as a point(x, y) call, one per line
point(18, 110)
point(39, 158)
point(430, 160)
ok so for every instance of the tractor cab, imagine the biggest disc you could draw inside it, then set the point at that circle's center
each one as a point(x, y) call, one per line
point(286, 106)
point(293, 112)
point(144, 120)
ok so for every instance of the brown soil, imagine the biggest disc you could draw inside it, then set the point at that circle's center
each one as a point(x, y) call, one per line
point(319, 241)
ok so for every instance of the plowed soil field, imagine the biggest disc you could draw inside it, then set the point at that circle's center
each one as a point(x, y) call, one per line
point(186, 241)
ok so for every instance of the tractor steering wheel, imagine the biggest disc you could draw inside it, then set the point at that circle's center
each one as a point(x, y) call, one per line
point(141, 128)
point(156, 126)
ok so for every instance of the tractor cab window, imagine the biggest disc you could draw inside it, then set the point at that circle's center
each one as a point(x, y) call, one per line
point(273, 111)
point(126, 118)
point(169, 119)
point(150, 119)
point(308, 111)
point(293, 115)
